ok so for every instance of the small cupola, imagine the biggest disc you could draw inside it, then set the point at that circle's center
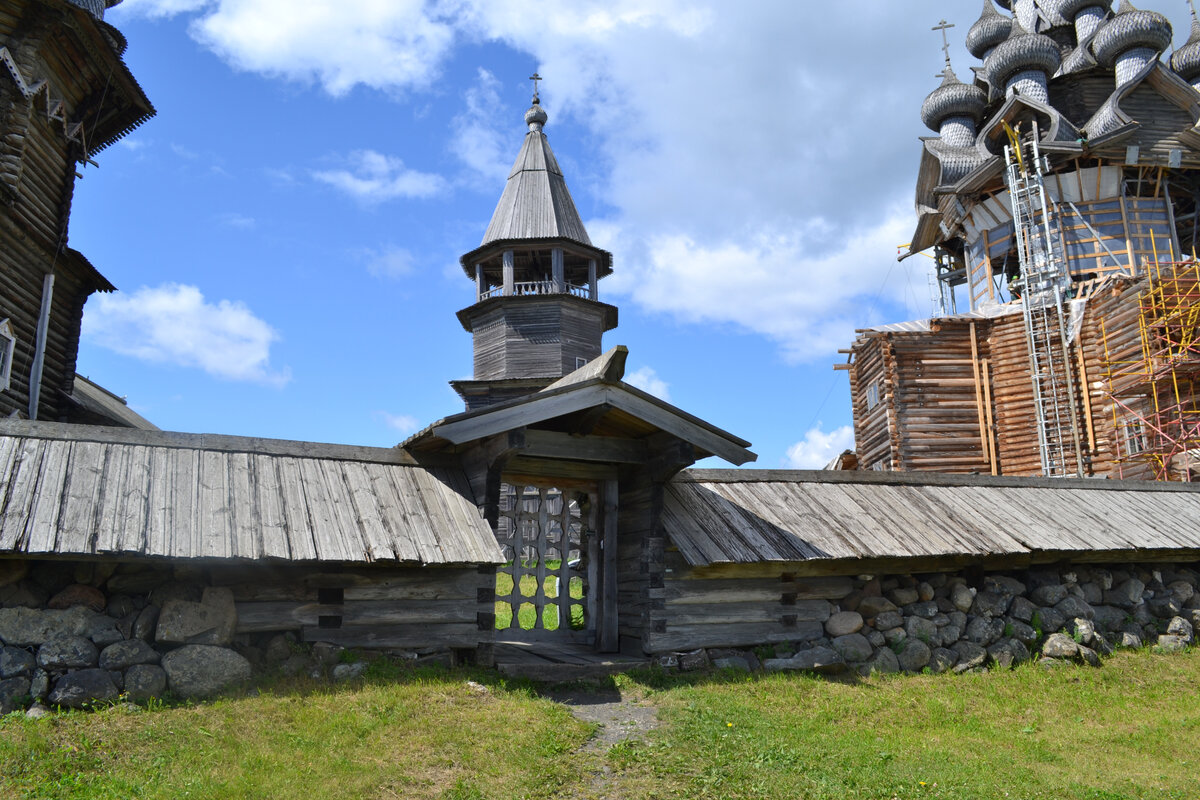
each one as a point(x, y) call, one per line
point(954, 110)
point(1131, 40)
point(1086, 15)
point(1185, 61)
point(1022, 64)
point(989, 30)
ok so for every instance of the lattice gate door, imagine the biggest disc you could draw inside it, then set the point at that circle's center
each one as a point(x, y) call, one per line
point(543, 591)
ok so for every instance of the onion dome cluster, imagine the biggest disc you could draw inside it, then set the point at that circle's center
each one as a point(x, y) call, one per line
point(953, 99)
point(1185, 61)
point(989, 30)
point(1022, 52)
point(1131, 29)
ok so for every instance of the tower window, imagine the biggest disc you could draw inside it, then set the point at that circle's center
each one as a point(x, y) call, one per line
point(8, 343)
point(872, 395)
point(580, 362)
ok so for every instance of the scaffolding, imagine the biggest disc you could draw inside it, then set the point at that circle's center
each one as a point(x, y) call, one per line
point(1043, 284)
point(1154, 388)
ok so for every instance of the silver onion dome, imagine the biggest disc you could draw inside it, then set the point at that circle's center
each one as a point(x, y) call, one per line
point(952, 99)
point(1021, 52)
point(1131, 29)
point(989, 30)
point(1185, 62)
point(536, 116)
point(1067, 9)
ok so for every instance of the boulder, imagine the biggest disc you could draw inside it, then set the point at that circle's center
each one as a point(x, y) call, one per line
point(876, 638)
point(843, 623)
point(211, 621)
point(1022, 609)
point(1170, 643)
point(902, 596)
point(962, 596)
point(15, 662)
point(1003, 584)
point(925, 591)
point(329, 654)
point(1007, 653)
point(197, 670)
point(1084, 630)
point(1049, 619)
point(186, 591)
point(870, 607)
point(23, 594)
point(970, 656)
point(1178, 626)
point(1108, 618)
point(853, 647)
point(1072, 606)
point(886, 620)
point(923, 629)
point(78, 595)
point(37, 711)
point(688, 662)
point(123, 655)
point(928, 609)
point(348, 672)
point(990, 604)
point(28, 627)
point(106, 636)
point(67, 652)
point(144, 681)
point(915, 656)
point(1025, 634)
point(942, 659)
point(39, 685)
point(894, 635)
point(83, 688)
point(1130, 640)
point(147, 621)
point(14, 694)
point(949, 634)
point(984, 630)
point(1182, 590)
point(885, 661)
point(279, 648)
point(1059, 645)
point(1126, 594)
point(1049, 595)
point(1089, 656)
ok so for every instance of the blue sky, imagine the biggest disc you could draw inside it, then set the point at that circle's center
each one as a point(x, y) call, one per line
point(285, 233)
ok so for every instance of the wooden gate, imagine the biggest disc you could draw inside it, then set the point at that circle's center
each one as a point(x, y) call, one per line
point(544, 590)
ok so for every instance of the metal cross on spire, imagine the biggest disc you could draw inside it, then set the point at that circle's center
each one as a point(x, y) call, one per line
point(943, 26)
point(535, 78)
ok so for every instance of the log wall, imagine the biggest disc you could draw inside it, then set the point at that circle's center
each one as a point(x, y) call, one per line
point(381, 607)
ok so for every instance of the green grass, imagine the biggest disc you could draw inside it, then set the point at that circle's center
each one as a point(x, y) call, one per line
point(526, 612)
point(1127, 730)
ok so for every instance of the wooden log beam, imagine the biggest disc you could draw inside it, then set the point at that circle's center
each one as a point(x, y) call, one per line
point(606, 449)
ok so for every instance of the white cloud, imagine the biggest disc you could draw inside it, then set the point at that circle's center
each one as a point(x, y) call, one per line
point(174, 324)
point(375, 177)
point(404, 424)
point(480, 138)
point(389, 262)
point(646, 379)
point(184, 152)
point(234, 220)
point(818, 448)
point(756, 165)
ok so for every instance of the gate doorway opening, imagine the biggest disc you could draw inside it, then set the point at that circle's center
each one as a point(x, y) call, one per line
point(544, 590)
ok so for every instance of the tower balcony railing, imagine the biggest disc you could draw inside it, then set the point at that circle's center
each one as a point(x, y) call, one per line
point(527, 288)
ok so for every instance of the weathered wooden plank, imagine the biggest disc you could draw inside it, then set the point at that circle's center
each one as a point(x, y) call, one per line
point(77, 518)
point(42, 532)
point(259, 617)
point(690, 637)
point(379, 636)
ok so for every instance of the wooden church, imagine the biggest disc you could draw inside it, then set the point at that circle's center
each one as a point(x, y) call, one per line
point(1059, 197)
point(556, 515)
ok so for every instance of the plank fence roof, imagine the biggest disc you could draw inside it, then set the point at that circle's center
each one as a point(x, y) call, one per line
point(89, 491)
point(748, 516)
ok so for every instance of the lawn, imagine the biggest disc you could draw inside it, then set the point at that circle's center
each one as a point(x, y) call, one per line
point(1128, 730)
point(526, 611)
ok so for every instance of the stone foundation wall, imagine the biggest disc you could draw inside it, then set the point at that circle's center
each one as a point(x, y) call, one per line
point(76, 634)
point(975, 620)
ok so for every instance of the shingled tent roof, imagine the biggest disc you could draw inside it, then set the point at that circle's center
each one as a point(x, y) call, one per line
point(536, 203)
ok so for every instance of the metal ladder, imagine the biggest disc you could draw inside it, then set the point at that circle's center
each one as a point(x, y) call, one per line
point(1043, 284)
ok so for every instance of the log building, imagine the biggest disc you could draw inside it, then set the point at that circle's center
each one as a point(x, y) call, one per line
point(1059, 199)
point(65, 95)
